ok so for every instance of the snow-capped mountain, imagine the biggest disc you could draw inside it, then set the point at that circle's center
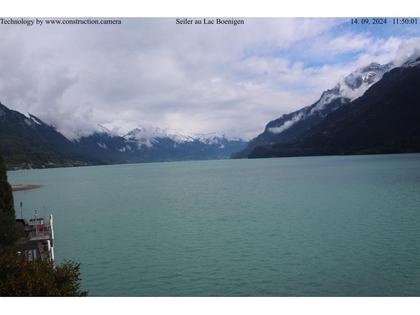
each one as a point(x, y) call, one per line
point(411, 63)
point(27, 141)
point(290, 126)
point(31, 120)
point(156, 144)
point(383, 120)
point(151, 137)
point(148, 136)
point(355, 84)
point(215, 138)
point(348, 89)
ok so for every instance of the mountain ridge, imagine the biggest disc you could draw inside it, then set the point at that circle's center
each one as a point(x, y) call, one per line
point(291, 126)
point(28, 142)
point(383, 120)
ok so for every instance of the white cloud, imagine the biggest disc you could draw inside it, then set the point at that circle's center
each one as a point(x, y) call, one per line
point(345, 43)
point(153, 72)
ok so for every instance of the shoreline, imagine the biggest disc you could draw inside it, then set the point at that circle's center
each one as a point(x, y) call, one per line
point(17, 168)
point(20, 187)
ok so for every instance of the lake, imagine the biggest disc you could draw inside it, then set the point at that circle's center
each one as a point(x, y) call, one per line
point(307, 226)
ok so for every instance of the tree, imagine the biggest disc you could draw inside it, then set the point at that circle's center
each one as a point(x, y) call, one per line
point(8, 232)
point(20, 277)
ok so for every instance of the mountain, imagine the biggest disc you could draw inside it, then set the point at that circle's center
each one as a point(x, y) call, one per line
point(28, 142)
point(385, 119)
point(291, 126)
point(155, 144)
point(105, 146)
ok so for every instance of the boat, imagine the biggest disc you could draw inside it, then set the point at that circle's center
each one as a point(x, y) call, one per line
point(38, 240)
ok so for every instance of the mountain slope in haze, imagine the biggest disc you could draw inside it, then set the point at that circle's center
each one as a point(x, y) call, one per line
point(384, 120)
point(26, 141)
point(155, 144)
point(106, 147)
point(291, 126)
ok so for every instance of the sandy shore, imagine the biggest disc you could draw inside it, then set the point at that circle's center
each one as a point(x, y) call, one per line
point(25, 187)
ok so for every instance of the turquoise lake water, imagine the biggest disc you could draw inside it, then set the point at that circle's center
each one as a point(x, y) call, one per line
point(309, 226)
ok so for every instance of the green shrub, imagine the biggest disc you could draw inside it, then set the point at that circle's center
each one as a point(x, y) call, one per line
point(20, 277)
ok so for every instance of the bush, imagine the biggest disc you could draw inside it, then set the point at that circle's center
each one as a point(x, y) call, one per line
point(20, 277)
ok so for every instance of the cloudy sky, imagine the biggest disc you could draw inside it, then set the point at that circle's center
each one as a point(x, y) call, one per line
point(191, 78)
